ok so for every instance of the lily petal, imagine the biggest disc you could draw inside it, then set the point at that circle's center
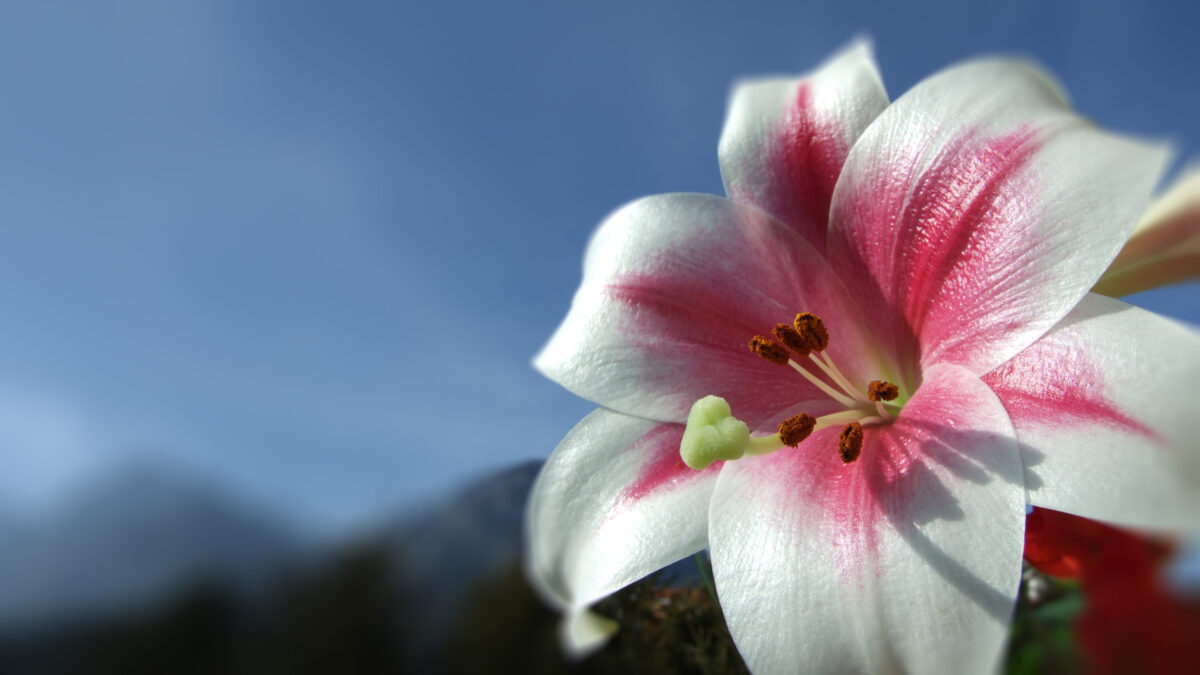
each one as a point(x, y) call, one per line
point(977, 210)
point(1165, 246)
point(1105, 411)
point(612, 504)
point(907, 559)
point(785, 139)
point(674, 287)
point(583, 632)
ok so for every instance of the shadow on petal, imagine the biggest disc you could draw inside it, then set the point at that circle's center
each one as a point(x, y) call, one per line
point(977, 467)
point(909, 479)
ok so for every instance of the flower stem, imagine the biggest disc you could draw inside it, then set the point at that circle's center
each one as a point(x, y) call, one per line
point(702, 567)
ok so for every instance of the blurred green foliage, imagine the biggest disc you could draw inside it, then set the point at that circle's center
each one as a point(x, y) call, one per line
point(1042, 636)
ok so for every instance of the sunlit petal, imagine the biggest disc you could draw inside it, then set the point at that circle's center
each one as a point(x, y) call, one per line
point(612, 504)
point(674, 288)
point(906, 560)
point(786, 138)
point(977, 210)
point(1105, 411)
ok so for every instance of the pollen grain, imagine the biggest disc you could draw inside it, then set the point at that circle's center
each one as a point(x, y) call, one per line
point(850, 442)
point(764, 347)
point(790, 337)
point(796, 428)
point(879, 390)
point(811, 329)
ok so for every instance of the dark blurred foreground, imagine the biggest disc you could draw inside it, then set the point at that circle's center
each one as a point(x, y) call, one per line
point(351, 619)
point(152, 573)
point(440, 593)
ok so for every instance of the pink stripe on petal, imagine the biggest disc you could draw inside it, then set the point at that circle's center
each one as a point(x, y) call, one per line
point(805, 165)
point(696, 335)
point(675, 287)
point(976, 210)
point(785, 140)
point(693, 313)
point(954, 225)
point(586, 536)
point(1054, 383)
point(947, 247)
point(843, 493)
point(664, 469)
point(1103, 406)
point(906, 560)
point(713, 312)
point(952, 429)
point(696, 338)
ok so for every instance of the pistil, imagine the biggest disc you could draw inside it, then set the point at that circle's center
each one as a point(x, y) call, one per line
point(714, 434)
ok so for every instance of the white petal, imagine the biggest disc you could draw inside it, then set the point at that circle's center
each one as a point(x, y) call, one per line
point(1105, 410)
point(674, 287)
point(785, 138)
point(612, 504)
point(977, 210)
point(582, 632)
point(907, 559)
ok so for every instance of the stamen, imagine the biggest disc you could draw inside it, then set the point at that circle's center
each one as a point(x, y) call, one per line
point(883, 412)
point(791, 339)
point(878, 390)
point(796, 428)
point(806, 337)
point(839, 418)
point(829, 391)
point(764, 347)
point(812, 330)
point(826, 364)
point(850, 442)
point(823, 356)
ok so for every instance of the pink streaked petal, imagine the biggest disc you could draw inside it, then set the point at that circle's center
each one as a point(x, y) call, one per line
point(1105, 411)
point(785, 139)
point(906, 560)
point(977, 210)
point(610, 506)
point(674, 288)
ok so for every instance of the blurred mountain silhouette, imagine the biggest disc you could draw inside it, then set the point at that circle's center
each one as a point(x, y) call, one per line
point(132, 537)
point(152, 571)
point(149, 564)
point(446, 551)
point(471, 534)
point(146, 530)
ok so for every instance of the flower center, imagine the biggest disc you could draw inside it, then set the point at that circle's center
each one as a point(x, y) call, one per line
point(713, 433)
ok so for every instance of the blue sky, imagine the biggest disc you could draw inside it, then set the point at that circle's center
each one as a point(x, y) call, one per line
point(308, 249)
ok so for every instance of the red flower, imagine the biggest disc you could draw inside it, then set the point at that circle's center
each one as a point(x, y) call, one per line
point(1131, 621)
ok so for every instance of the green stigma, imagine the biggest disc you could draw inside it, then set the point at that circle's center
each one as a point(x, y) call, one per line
point(712, 434)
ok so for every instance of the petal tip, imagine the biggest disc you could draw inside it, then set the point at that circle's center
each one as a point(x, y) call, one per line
point(583, 632)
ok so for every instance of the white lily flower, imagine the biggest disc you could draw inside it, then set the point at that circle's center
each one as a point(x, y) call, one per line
point(861, 477)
